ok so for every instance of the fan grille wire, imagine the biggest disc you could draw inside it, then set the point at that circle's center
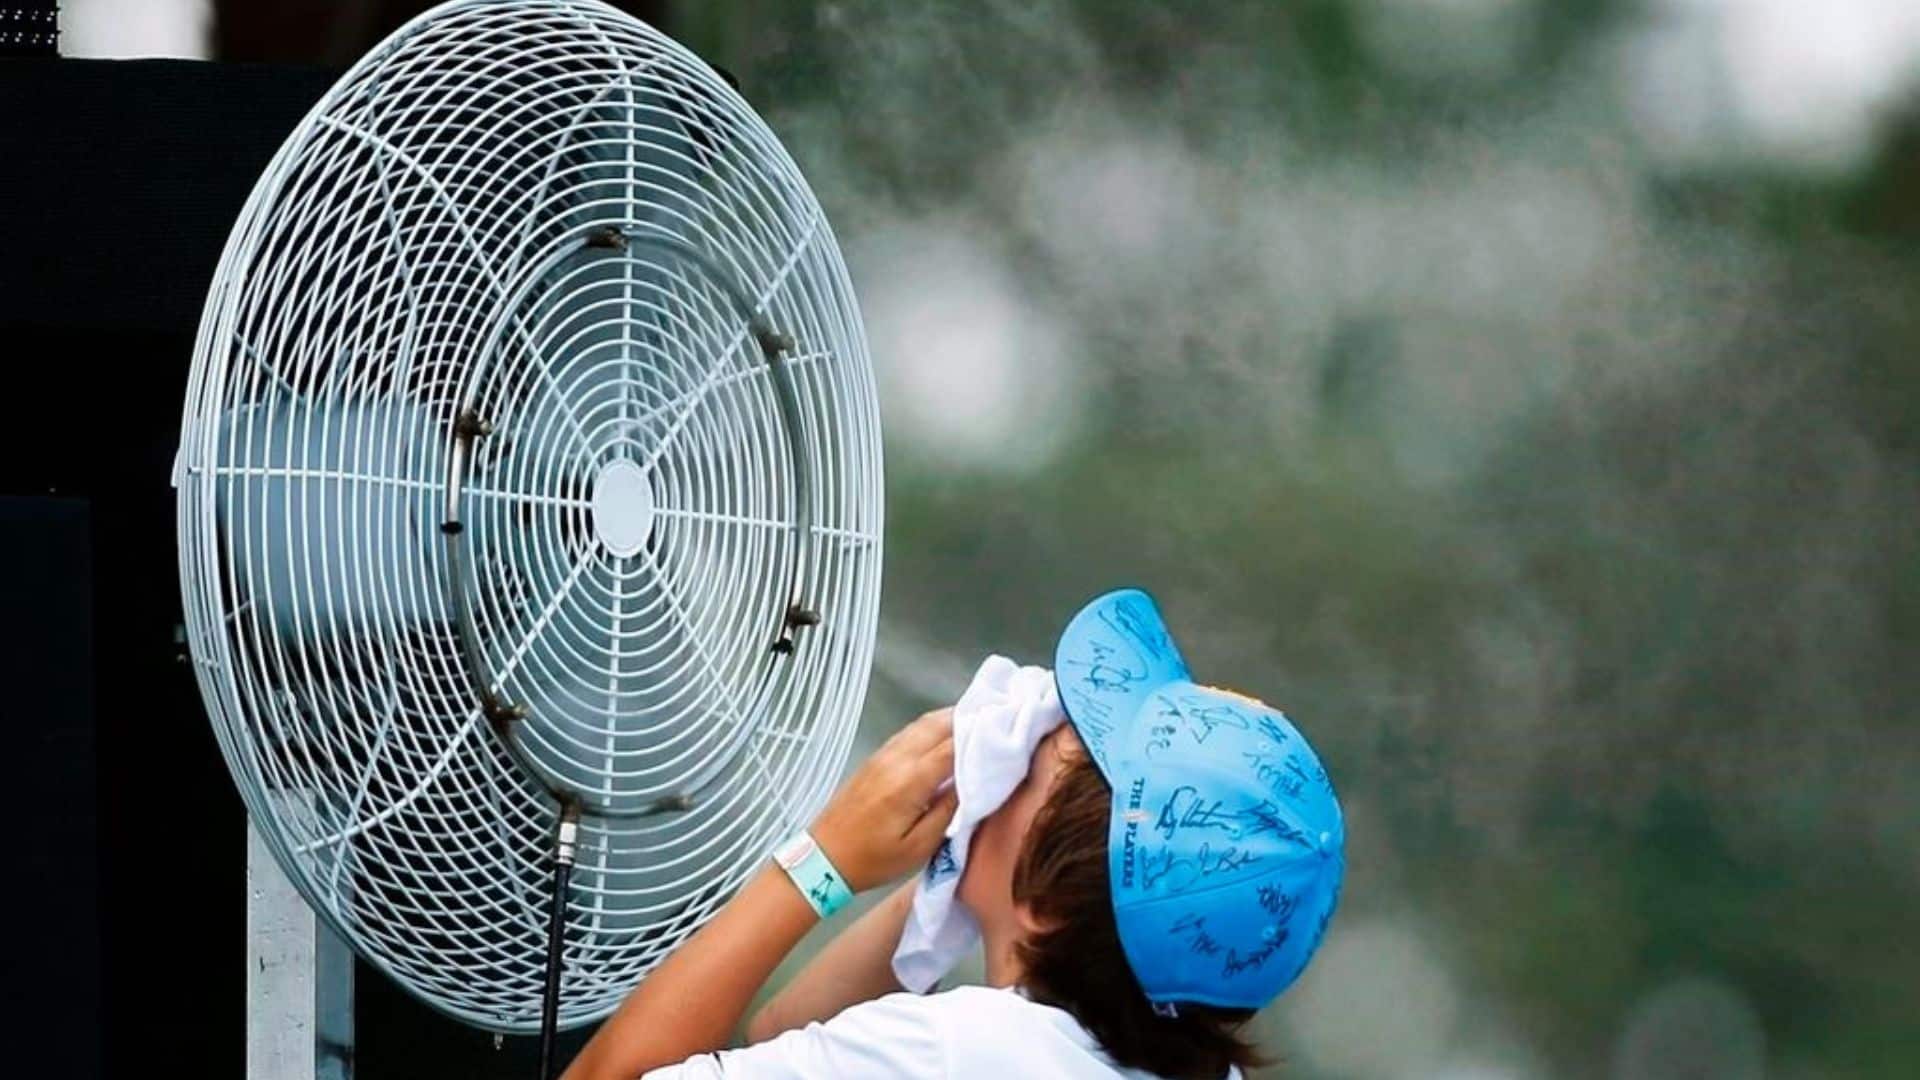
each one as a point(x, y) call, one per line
point(378, 256)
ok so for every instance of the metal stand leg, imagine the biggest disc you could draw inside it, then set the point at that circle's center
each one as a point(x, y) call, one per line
point(565, 839)
point(299, 981)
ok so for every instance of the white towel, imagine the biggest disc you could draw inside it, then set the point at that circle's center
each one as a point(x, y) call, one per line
point(997, 724)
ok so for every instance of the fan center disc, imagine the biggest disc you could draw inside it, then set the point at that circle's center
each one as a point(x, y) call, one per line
point(622, 507)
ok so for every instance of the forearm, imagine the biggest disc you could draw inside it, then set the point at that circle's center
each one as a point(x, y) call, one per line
point(692, 1002)
point(884, 821)
point(856, 966)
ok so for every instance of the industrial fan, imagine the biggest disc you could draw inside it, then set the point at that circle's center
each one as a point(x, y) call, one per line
point(529, 505)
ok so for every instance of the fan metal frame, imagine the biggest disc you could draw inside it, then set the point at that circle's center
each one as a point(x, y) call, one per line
point(488, 223)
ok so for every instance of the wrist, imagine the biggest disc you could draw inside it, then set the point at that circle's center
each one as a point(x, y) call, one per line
point(840, 851)
point(807, 865)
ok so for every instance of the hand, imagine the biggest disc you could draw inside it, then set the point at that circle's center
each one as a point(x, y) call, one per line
point(887, 819)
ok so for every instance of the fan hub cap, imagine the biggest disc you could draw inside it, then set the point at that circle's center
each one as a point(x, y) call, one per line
point(622, 507)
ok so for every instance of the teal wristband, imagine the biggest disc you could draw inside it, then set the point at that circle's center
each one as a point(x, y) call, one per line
point(812, 874)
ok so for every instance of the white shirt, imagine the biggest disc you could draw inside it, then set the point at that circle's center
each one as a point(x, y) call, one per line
point(966, 1032)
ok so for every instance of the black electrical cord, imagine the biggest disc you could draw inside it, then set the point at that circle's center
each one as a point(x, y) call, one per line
point(563, 856)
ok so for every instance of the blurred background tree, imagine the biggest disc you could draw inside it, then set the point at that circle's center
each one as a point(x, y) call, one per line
point(1522, 394)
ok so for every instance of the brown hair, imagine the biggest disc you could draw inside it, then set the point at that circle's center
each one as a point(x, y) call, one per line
point(1076, 962)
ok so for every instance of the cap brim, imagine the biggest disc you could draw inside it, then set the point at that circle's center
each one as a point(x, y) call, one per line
point(1113, 654)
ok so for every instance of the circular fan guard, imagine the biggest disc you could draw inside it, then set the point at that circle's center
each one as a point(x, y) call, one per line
point(530, 458)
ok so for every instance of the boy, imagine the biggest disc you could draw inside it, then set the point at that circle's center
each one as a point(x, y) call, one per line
point(1167, 867)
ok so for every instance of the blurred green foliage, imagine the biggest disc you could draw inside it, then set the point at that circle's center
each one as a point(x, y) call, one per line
point(1575, 519)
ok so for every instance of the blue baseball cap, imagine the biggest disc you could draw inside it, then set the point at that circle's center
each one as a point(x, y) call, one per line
point(1226, 848)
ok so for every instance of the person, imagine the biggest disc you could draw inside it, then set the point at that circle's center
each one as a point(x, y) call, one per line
point(1167, 867)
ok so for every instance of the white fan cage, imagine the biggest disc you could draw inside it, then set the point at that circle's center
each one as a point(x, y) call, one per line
point(636, 524)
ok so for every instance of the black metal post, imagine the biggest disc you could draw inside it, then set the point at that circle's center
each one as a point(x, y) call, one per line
point(563, 857)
